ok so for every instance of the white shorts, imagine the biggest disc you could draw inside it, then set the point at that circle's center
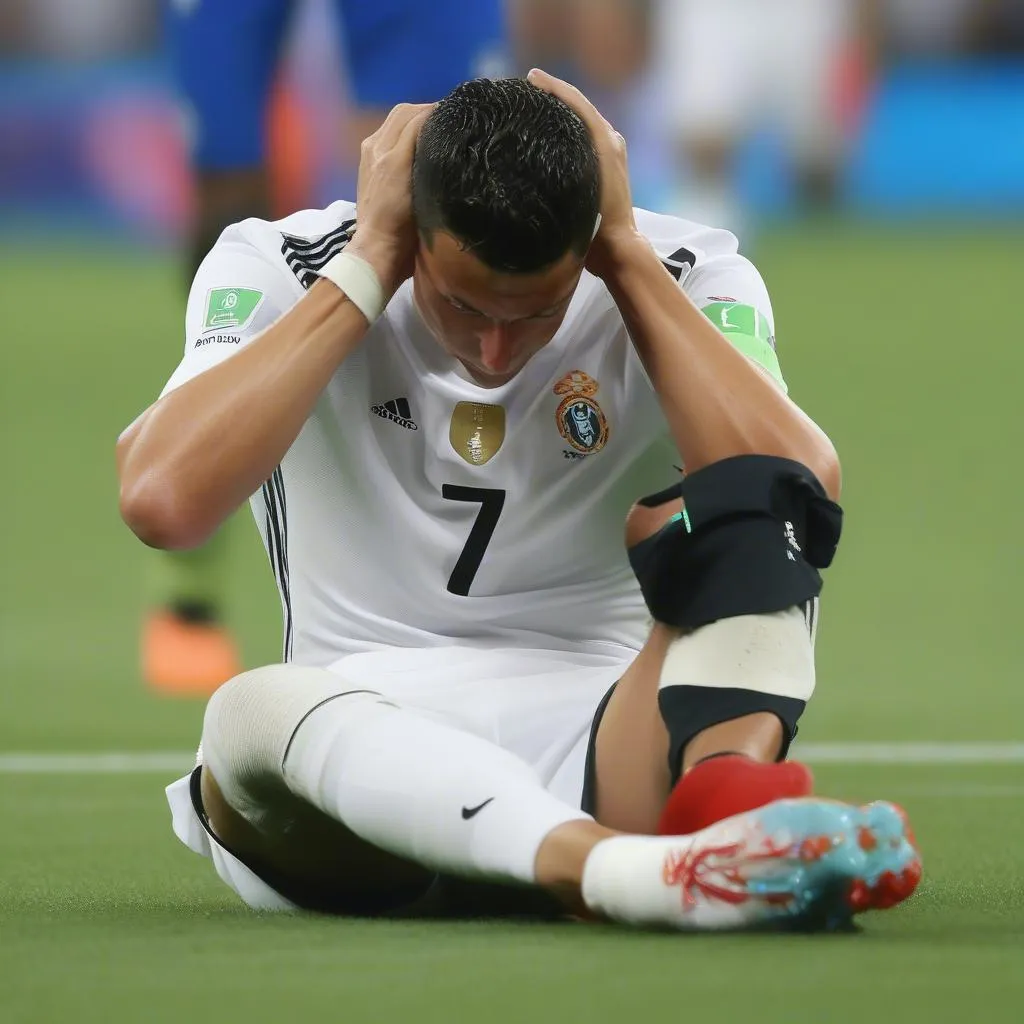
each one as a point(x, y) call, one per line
point(538, 705)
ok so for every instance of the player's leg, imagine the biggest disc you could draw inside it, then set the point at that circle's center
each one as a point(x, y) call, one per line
point(223, 56)
point(324, 788)
point(723, 698)
point(810, 56)
point(698, 703)
point(406, 792)
point(736, 756)
point(406, 51)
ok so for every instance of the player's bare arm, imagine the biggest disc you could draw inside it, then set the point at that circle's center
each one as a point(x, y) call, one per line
point(716, 402)
point(199, 452)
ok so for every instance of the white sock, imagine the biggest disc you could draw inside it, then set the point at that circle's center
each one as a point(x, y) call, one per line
point(752, 869)
point(614, 876)
point(648, 881)
point(410, 785)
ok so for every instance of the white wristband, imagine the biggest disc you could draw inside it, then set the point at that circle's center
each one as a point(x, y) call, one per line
point(358, 280)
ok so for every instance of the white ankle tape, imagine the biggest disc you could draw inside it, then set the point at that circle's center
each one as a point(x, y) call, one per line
point(772, 653)
point(359, 281)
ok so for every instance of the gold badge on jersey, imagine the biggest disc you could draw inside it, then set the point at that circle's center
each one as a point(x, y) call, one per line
point(581, 421)
point(477, 431)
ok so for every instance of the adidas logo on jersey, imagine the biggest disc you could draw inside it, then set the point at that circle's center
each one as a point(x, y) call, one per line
point(397, 410)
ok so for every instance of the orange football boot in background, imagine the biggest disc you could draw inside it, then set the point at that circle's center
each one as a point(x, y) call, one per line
point(187, 658)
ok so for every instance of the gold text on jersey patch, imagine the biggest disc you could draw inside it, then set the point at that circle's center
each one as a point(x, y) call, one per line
point(581, 421)
point(477, 431)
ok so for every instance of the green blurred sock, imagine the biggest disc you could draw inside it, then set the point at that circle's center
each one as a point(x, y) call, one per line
point(192, 583)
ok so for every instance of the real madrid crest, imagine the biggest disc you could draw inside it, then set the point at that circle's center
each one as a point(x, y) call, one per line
point(581, 421)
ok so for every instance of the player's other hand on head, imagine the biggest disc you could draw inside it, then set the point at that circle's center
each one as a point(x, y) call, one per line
point(617, 229)
point(386, 232)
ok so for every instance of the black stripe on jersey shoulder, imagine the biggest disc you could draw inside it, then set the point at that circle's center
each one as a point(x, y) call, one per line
point(275, 506)
point(681, 259)
point(305, 256)
point(306, 242)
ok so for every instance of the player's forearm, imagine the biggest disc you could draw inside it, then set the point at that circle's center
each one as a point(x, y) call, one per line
point(716, 402)
point(203, 449)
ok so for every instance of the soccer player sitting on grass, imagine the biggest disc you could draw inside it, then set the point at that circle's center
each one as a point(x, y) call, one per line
point(441, 409)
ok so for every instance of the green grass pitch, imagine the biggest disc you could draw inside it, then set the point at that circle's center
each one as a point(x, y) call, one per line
point(902, 343)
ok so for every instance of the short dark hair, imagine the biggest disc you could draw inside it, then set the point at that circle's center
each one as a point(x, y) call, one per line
point(510, 171)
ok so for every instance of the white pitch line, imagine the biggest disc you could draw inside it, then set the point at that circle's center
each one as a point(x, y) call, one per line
point(106, 763)
point(910, 753)
point(171, 761)
point(896, 790)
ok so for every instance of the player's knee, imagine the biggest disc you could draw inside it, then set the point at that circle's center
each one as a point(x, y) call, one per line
point(753, 533)
point(250, 720)
point(235, 750)
point(645, 521)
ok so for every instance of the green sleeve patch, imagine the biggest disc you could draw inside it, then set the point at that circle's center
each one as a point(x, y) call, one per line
point(230, 307)
point(748, 330)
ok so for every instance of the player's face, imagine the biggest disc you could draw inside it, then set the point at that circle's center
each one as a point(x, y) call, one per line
point(492, 322)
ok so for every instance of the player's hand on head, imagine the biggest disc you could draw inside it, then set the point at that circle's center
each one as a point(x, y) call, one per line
point(617, 225)
point(386, 232)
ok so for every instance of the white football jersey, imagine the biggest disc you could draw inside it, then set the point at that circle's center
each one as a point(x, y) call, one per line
point(417, 509)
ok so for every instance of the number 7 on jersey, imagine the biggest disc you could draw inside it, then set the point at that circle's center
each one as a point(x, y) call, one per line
point(491, 503)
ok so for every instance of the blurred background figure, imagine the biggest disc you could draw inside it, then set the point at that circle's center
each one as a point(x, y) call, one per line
point(922, 28)
point(251, 156)
point(730, 67)
point(604, 46)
